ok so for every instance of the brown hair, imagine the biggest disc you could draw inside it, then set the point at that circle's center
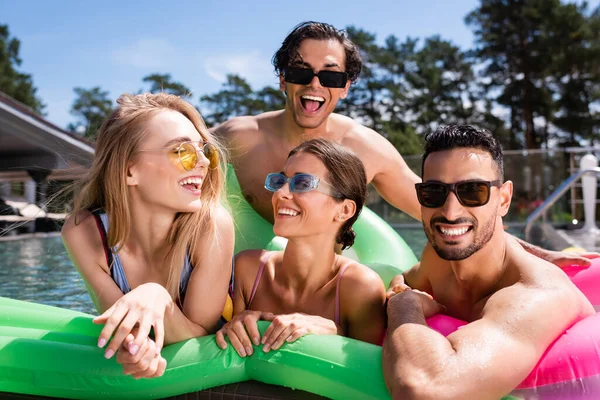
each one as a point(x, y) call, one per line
point(346, 175)
point(105, 186)
point(288, 52)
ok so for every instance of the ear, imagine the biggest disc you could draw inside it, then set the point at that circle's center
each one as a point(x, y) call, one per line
point(345, 90)
point(132, 174)
point(506, 192)
point(346, 211)
point(282, 86)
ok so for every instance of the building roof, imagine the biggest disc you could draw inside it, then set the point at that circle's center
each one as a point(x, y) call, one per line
point(30, 142)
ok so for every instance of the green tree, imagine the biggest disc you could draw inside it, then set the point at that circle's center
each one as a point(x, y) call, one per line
point(513, 43)
point(236, 98)
point(17, 85)
point(575, 73)
point(163, 83)
point(91, 107)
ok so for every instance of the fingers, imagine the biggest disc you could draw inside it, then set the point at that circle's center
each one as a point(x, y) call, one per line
point(252, 327)
point(272, 333)
point(298, 333)
point(239, 329)
point(590, 256)
point(124, 356)
point(145, 364)
point(124, 329)
point(220, 338)
point(396, 288)
point(236, 343)
point(159, 332)
point(111, 323)
point(267, 316)
point(155, 369)
point(143, 332)
point(286, 333)
point(101, 319)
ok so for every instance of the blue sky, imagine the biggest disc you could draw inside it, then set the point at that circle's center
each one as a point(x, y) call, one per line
point(113, 44)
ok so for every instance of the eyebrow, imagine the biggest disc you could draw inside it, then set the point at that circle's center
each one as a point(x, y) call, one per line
point(180, 139)
point(305, 64)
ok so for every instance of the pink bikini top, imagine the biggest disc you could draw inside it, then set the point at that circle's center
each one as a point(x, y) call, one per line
point(263, 261)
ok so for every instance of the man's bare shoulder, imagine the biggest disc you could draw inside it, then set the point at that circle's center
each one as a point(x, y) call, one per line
point(365, 141)
point(234, 127)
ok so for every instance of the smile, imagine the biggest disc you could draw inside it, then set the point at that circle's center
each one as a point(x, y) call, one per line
point(311, 103)
point(193, 183)
point(455, 232)
point(287, 211)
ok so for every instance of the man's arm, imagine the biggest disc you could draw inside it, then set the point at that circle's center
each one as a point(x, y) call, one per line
point(393, 179)
point(499, 350)
point(559, 258)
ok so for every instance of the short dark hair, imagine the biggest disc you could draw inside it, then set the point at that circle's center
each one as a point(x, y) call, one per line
point(450, 137)
point(288, 52)
point(347, 176)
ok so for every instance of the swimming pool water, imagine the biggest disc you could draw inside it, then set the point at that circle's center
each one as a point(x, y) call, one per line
point(38, 269)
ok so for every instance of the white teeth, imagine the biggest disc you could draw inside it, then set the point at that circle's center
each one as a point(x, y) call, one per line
point(287, 211)
point(191, 181)
point(455, 231)
point(314, 98)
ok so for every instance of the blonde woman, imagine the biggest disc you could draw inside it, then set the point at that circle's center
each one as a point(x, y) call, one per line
point(148, 233)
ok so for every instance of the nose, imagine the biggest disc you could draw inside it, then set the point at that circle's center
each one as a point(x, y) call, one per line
point(284, 191)
point(452, 209)
point(203, 162)
point(315, 82)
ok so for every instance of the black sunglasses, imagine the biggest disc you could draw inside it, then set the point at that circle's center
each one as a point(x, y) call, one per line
point(303, 76)
point(433, 194)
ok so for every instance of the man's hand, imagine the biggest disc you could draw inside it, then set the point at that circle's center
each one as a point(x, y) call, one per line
point(415, 300)
point(564, 259)
point(397, 285)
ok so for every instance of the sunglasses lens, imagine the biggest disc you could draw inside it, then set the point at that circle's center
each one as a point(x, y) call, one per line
point(301, 183)
point(274, 182)
point(473, 194)
point(188, 157)
point(432, 195)
point(333, 79)
point(300, 76)
point(212, 154)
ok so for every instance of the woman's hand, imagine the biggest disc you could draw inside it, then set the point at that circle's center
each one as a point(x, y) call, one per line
point(240, 330)
point(290, 327)
point(145, 363)
point(142, 308)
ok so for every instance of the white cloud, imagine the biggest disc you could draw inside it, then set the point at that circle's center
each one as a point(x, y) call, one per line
point(147, 54)
point(253, 66)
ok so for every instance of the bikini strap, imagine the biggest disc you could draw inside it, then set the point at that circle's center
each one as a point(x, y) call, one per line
point(337, 292)
point(263, 261)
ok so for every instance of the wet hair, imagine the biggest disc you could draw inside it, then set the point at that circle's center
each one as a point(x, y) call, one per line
point(288, 52)
point(105, 187)
point(347, 176)
point(450, 137)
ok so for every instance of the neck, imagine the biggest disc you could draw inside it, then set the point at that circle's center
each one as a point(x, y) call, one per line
point(479, 274)
point(296, 134)
point(149, 230)
point(308, 263)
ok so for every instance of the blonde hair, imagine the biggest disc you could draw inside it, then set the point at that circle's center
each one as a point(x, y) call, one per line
point(105, 186)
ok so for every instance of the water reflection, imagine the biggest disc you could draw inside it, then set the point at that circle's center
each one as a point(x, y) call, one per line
point(39, 270)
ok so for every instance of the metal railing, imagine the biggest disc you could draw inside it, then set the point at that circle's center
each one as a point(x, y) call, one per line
point(555, 196)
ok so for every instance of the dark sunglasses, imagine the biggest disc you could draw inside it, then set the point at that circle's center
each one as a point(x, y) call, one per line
point(300, 183)
point(303, 76)
point(468, 193)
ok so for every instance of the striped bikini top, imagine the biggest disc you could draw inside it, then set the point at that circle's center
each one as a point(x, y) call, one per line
point(116, 266)
point(263, 261)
